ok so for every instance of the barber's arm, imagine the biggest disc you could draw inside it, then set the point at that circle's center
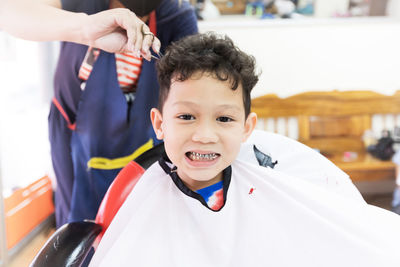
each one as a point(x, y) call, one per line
point(114, 30)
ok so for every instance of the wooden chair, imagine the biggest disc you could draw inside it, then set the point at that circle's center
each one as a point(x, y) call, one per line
point(334, 123)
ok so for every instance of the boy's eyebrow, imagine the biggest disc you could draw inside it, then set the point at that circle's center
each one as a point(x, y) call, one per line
point(227, 106)
point(187, 103)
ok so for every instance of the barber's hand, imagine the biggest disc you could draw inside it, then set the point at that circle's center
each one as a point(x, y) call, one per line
point(120, 30)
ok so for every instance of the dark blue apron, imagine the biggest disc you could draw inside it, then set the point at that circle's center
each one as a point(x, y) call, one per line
point(83, 135)
point(108, 132)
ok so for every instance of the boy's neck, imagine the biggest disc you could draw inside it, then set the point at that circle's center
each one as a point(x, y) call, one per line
point(195, 185)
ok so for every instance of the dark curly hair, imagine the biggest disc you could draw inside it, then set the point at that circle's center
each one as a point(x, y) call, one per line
point(207, 53)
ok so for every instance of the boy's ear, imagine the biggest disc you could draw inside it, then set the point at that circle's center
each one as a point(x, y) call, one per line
point(156, 121)
point(249, 125)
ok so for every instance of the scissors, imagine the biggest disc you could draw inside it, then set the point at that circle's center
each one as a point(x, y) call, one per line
point(159, 55)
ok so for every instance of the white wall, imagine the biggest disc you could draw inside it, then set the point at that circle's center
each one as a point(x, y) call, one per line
point(26, 75)
point(318, 54)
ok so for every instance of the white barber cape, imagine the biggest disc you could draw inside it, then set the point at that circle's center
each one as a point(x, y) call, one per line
point(296, 159)
point(269, 219)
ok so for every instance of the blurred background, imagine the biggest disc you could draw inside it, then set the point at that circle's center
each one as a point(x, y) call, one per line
point(300, 46)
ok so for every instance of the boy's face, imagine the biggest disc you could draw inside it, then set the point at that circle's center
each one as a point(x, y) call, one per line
point(203, 124)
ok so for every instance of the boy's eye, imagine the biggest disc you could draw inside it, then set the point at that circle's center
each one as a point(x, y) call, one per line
point(224, 119)
point(186, 117)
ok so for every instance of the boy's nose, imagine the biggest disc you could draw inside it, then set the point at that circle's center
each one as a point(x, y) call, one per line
point(205, 133)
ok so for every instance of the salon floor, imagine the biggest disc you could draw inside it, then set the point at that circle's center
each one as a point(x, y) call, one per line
point(26, 255)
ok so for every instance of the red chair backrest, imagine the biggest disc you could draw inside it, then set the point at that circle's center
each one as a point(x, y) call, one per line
point(116, 195)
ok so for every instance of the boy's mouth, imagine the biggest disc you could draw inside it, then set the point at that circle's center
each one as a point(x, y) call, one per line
point(194, 156)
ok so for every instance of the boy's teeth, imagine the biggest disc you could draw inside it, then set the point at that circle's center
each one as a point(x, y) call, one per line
point(198, 156)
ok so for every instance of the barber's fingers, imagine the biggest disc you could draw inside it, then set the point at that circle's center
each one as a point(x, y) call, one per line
point(148, 40)
point(140, 38)
point(156, 46)
point(127, 20)
point(132, 24)
point(105, 26)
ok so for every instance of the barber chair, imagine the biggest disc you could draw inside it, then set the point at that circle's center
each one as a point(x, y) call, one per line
point(71, 243)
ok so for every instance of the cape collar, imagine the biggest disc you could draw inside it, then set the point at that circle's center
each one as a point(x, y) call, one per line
point(170, 169)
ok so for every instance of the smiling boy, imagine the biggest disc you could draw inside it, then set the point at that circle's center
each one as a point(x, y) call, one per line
point(202, 138)
point(204, 112)
point(261, 217)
